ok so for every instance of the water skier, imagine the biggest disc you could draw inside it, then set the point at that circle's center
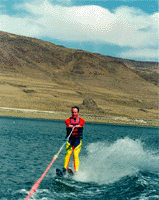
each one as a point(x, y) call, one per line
point(75, 141)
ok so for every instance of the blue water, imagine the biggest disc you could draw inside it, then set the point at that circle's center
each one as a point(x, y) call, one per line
point(116, 162)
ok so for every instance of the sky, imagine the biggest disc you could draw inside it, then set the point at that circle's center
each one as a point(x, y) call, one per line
point(118, 28)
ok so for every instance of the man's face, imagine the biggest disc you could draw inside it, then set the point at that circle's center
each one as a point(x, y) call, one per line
point(75, 113)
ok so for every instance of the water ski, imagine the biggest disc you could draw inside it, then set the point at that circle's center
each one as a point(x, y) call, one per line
point(60, 172)
point(70, 172)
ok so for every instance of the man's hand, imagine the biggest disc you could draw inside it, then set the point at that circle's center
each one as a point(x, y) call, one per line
point(70, 126)
point(76, 126)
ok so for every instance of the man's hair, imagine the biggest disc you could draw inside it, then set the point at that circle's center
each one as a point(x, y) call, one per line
point(75, 107)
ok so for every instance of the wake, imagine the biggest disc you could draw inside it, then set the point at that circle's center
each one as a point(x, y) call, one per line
point(109, 163)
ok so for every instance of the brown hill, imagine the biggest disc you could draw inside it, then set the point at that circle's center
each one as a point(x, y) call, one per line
point(40, 75)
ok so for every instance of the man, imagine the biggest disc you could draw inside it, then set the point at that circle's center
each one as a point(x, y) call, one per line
point(75, 141)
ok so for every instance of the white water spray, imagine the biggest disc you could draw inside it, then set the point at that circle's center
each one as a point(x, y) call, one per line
point(109, 163)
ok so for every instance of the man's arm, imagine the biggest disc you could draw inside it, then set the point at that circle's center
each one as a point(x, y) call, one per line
point(68, 125)
point(80, 128)
point(82, 122)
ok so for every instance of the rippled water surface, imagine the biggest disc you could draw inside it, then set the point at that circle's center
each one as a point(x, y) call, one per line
point(116, 162)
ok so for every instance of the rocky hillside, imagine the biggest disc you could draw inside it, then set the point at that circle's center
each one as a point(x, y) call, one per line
point(40, 75)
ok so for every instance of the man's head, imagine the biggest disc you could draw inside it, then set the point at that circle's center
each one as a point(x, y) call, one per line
point(75, 111)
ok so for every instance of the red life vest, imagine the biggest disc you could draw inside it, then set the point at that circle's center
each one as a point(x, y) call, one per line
point(76, 122)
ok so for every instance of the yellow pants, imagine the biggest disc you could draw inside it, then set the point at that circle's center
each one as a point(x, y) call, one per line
point(76, 151)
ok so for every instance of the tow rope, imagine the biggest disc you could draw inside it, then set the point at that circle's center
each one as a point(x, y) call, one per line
point(37, 183)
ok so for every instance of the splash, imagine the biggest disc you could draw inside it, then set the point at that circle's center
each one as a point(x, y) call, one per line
point(108, 163)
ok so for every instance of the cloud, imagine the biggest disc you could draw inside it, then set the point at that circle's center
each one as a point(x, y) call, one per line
point(125, 26)
point(19, 26)
point(142, 54)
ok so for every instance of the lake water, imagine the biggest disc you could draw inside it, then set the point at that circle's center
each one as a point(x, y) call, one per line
point(116, 162)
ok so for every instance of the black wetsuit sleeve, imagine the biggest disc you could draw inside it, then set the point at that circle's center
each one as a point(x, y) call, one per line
point(80, 132)
point(68, 131)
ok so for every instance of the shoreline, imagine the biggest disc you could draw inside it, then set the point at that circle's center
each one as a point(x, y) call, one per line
point(90, 118)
